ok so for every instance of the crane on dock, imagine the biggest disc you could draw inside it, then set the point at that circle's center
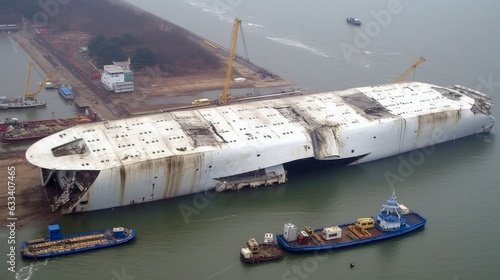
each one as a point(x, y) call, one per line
point(409, 70)
point(34, 95)
point(224, 97)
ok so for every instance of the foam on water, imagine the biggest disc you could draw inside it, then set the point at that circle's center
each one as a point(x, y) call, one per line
point(295, 43)
point(222, 11)
point(26, 272)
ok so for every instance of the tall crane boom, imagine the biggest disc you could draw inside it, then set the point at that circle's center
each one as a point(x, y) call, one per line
point(26, 90)
point(33, 95)
point(409, 70)
point(224, 97)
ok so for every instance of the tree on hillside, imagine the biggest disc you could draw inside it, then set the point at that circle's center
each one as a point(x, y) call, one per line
point(143, 57)
point(111, 51)
point(96, 43)
point(128, 39)
point(120, 32)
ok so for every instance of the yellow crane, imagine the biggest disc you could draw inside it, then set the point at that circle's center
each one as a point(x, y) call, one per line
point(409, 70)
point(33, 95)
point(224, 97)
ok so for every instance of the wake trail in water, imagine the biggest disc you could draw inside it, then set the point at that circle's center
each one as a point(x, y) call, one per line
point(26, 272)
point(214, 8)
point(216, 219)
point(222, 11)
point(218, 273)
point(288, 213)
point(254, 24)
point(382, 53)
point(298, 44)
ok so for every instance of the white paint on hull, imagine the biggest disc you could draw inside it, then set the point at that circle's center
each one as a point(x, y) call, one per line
point(159, 156)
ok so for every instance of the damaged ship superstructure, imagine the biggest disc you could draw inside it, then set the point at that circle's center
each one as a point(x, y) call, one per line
point(146, 158)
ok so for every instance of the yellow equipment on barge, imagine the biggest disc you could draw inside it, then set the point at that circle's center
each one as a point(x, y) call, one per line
point(56, 244)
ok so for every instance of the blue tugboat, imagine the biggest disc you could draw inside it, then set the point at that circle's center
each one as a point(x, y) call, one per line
point(393, 220)
point(57, 244)
point(353, 21)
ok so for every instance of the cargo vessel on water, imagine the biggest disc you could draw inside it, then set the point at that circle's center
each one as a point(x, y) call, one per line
point(353, 21)
point(66, 91)
point(151, 157)
point(14, 130)
point(56, 244)
point(393, 220)
point(49, 85)
point(29, 100)
point(20, 102)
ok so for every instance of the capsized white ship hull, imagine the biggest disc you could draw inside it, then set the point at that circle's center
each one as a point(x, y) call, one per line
point(147, 158)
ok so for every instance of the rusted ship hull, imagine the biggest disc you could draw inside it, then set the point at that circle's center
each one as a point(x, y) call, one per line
point(154, 157)
point(35, 130)
point(15, 139)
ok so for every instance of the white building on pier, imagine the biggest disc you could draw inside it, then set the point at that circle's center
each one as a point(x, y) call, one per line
point(118, 77)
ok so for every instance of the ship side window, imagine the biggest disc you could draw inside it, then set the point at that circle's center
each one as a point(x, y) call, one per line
point(76, 147)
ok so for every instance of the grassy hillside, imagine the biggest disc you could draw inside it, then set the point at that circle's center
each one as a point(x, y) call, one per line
point(169, 46)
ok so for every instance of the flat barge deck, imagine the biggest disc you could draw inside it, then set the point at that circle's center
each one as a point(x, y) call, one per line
point(56, 244)
point(256, 253)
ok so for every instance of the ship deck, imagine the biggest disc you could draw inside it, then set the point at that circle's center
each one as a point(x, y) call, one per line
point(353, 236)
point(287, 120)
point(267, 252)
point(44, 247)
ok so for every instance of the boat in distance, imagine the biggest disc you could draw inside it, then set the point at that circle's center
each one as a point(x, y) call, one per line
point(393, 220)
point(49, 85)
point(152, 157)
point(20, 103)
point(29, 100)
point(353, 21)
point(56, 244)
